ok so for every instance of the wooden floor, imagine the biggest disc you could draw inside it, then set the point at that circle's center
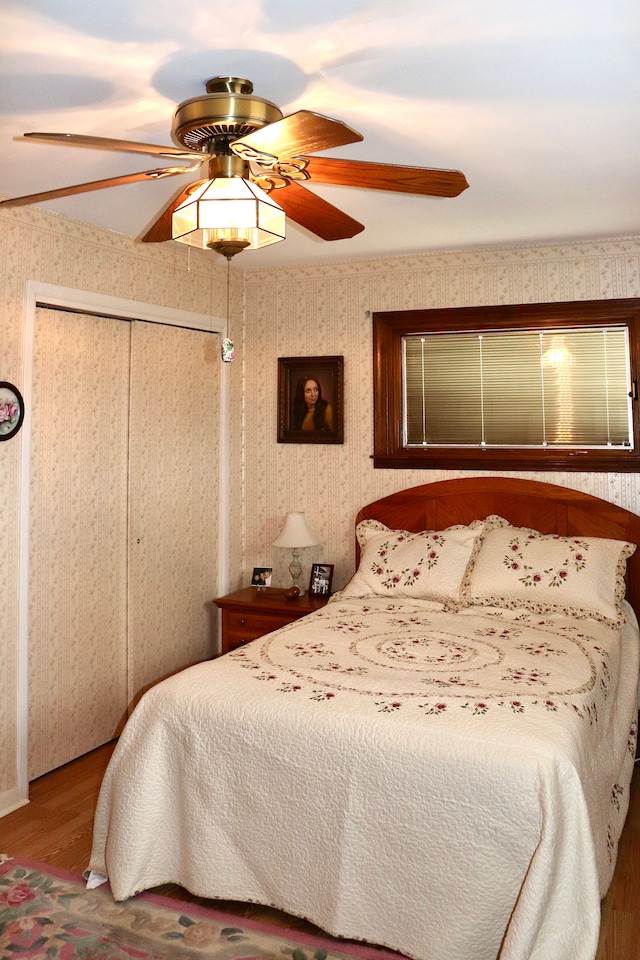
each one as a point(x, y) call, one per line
point(55, 827)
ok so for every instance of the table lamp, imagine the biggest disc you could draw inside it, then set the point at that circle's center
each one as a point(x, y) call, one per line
point(295, 534)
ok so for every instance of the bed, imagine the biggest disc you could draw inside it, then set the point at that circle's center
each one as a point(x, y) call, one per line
point(438, 761)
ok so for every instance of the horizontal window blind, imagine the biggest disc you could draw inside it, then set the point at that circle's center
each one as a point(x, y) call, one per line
point(562, 388)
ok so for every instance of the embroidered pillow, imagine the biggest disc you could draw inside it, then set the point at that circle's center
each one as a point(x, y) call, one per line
point(429, 565)
point(546, 573)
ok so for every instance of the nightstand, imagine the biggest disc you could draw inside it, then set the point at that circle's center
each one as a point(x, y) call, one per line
point(248, 614)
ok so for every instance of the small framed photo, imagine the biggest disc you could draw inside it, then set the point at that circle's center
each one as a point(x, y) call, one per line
point(261, 577)
point(320, 581)
point(310, 399)
point(11, 410)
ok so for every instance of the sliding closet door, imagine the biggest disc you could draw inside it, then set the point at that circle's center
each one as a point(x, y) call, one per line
point(173, 499)
point(124, 521)
point(78, 536)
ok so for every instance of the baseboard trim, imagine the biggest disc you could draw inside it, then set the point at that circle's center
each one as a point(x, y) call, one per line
point(12, 800)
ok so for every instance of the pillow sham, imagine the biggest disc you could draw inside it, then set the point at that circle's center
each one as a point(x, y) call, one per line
point(429, 565)
point(546, 573)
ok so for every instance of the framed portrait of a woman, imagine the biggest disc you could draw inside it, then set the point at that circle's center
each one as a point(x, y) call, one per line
point(310, 400)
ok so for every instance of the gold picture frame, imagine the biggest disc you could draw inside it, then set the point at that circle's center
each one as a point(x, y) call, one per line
point(310, 400)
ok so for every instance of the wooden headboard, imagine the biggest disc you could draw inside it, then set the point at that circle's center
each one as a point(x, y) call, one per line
point(525, 503)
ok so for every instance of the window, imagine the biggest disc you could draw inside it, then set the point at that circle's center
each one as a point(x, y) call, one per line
point(568, 388)
point(533, 387)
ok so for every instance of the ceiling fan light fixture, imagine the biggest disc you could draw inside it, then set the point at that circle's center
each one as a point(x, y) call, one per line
point(228, 208)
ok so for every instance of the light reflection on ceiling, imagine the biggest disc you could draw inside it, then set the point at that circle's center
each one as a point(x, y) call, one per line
point(537, 102)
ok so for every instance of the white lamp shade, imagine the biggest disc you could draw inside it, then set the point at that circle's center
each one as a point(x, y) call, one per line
point(228, 208)
point(295, 533)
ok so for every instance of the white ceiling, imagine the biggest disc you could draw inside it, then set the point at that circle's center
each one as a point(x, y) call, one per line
point(536, 101)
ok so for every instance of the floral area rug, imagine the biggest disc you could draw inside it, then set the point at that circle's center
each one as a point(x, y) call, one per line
point(49, 913)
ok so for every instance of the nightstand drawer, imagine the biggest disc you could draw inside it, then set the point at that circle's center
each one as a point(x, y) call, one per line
point(240, 628)
point(248, 614)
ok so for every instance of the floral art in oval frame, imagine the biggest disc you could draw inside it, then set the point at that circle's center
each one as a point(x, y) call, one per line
point(11, 410)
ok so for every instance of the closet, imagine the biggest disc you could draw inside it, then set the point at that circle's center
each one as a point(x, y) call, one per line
point(123, 520)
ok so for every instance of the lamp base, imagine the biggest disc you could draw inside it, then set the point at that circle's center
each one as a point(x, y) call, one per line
point(295, 569)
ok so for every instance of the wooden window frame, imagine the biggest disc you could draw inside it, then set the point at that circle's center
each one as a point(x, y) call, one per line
point(390, 327)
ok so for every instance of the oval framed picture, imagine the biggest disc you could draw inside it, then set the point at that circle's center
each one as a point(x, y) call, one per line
point(11, 410)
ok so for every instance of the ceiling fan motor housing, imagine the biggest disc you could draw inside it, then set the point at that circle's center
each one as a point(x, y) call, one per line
point(226, 112)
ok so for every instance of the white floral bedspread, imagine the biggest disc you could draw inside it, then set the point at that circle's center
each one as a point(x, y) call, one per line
point(433, 782)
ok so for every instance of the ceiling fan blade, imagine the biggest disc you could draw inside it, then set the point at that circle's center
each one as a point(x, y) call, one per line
point(160, 231)
point(301, 132)
point(127, 146)
point(158, 174)
point(315, 214)
point(386, 176)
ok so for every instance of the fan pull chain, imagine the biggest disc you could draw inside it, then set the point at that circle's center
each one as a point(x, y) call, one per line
point(227, 342)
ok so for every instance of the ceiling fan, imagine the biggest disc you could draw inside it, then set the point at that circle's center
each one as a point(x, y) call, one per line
point(244, 136)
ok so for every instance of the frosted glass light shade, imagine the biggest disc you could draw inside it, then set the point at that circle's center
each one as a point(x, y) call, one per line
point(295, 533)
point(228, 208)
